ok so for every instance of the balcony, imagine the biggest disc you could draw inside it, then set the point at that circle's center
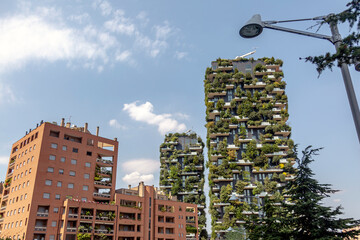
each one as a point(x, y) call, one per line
point(229, 86)
point(213, 113)
point(221, 204)
point(40, 228)
point(222, 179)
point(233, 126)
point(278, 91)
point(101, 195)
point(189, 173)
point(103, 184)
point(216, 94)
point(220, 134)
point(215, 188)
point(42, 214)
point(195, 148)
point(244, 140)
point(165, 149)
point(257, 85)
point(277, 117)
point(262, 125)
point(188, 193)
point(214, 157)
point(284, 133)
point(71, 229)
point(86, 216)
point(73, 215)
point(101, 161)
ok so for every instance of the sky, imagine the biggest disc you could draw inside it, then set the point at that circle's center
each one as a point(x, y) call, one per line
point(135, 68)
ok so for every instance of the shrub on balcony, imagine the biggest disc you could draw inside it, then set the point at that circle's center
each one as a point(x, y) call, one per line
point(239, 186)
point(84, 236)
point(225, 193)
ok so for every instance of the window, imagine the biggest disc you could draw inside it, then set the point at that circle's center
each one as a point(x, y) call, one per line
point(61, 171)
point(46, 195)
point(85, 187)
point(72, 173)
point(50, 169)
point(62, 159)
point(87, 164)
point(54, 134)
point(54, 145)
point(86, 176)
point(84, 199)
point(75, 150)
point(89, 153)
point(52, 237)
point(52, 157)
point(56, 209)
point(64, 148)
point(90, 142)
point(59, 184)
point(53, 223)
point(25, 196)
point(32, 158)
point(71, 185)
point(57, 196)
point(73, 161)
point(48, 182)
point(27, 183)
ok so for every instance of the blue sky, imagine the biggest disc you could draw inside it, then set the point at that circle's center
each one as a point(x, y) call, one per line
point(136, 68)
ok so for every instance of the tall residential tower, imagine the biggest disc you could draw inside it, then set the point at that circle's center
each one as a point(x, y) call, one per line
point(247, 137)
point(182, 170)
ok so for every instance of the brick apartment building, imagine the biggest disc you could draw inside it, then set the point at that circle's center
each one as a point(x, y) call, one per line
point(60, 182)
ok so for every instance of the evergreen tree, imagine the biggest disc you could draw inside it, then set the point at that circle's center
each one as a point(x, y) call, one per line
point(304, 217)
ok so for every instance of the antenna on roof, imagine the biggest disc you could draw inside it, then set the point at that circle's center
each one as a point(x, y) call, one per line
point(245, 55)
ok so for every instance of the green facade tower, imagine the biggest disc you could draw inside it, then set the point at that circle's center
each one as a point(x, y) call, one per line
point(249, 149)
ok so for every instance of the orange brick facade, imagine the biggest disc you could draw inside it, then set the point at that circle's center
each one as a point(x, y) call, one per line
point(53, 164)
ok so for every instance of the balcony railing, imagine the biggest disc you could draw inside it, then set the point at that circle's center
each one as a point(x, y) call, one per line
point(40, 228)
point(102, 183)
point(73, 215)
point(100, 160)
point(42, 214)
point(71, 229)
point(103, 195)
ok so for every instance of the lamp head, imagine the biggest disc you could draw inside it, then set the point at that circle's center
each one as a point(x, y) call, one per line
point(357, 66)
point(252, 28)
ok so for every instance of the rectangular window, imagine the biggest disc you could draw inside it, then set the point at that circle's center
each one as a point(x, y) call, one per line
point(48, 182)
point(62, 159)
point(46, 195)
point(87, 164)
point(84, 199)
point(52, 157)
point(86, 176)
point(56, 209)
point(54, 145)
point(85, 187)
point(53, 223)
point(72, 173)
point(52, 237)
point(71, 185)
point(57, 196)
point(73, 161)
point(61, 171)
point(64, 148)
point(89, 153)
point(59, 184)
point(50, 169)
point(75, 150)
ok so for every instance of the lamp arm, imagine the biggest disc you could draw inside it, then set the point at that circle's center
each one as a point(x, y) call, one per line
point(309, 34)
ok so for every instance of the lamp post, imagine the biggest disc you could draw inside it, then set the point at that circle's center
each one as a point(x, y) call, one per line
point(255, 26)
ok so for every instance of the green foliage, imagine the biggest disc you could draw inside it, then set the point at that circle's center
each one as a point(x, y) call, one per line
point(225, 193)
point(306, 217)
point(236, 234)
point(84, 236)
point(240, 185)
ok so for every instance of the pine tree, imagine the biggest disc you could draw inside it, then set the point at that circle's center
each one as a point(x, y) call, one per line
point(305, 217)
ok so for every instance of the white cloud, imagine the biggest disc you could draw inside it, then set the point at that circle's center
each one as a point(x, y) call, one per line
point(6, 94)
point(138, 170)
point(142, 165)
point(114, 123)
point(27, 38)
point(80, 19)
point(182, 115)
point(180, 55)
point(144, 113)
point(135, 177)
point(4, 160)
point(123, 56)
point(104, 6)
point(163, 32)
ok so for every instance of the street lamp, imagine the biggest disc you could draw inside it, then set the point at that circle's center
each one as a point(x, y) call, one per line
point(255, 26)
